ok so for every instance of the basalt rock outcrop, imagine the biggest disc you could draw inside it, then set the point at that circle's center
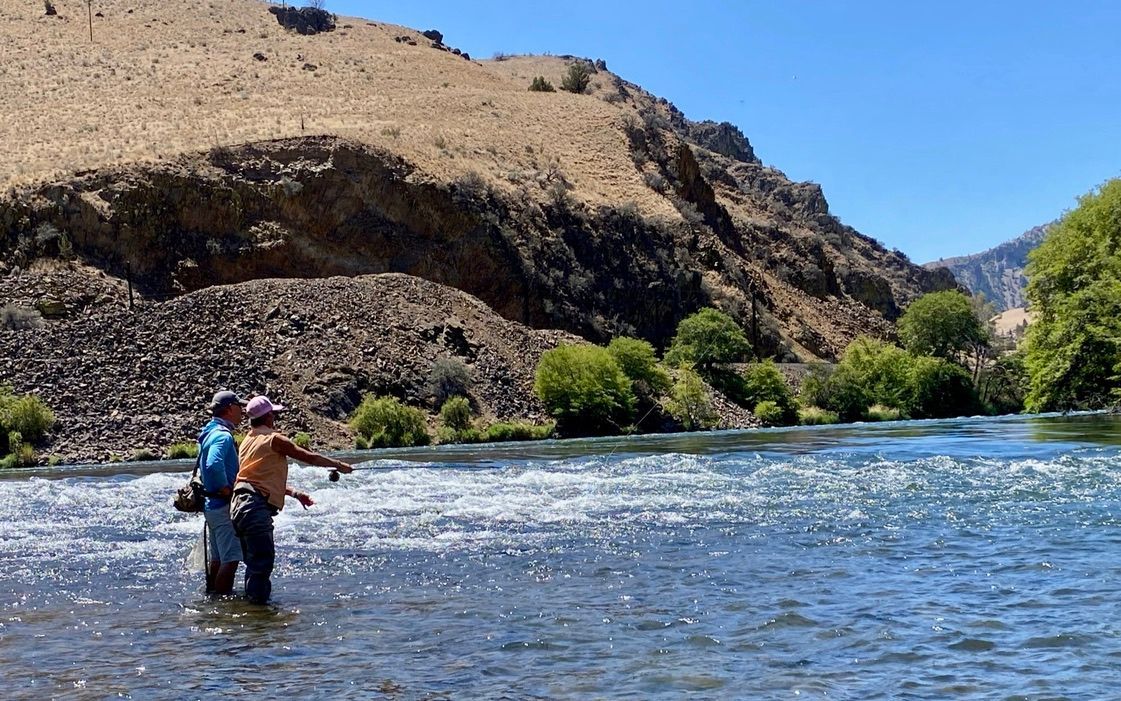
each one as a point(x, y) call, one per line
point(304, 20)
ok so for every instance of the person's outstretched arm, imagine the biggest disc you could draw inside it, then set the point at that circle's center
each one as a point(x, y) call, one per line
point(289, 449)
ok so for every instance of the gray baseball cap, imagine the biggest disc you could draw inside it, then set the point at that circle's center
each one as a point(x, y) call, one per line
point(222, 400)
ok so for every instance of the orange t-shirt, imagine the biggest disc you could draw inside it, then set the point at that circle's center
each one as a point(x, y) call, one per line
point(263, 467)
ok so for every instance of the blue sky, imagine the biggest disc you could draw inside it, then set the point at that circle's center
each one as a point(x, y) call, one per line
point(938, 128)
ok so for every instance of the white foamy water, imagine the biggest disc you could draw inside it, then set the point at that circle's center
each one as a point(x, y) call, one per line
point(930, 560)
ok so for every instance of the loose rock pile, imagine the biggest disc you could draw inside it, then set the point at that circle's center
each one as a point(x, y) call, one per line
point(120, 381)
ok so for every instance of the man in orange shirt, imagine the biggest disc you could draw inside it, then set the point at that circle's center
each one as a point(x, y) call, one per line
point(262, 484)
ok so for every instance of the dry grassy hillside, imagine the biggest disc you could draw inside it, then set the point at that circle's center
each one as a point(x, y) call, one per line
point(600, 213)
point(164, 77)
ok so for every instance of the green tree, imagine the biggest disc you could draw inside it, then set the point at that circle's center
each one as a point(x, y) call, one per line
point(1073, 351)
point(880, 368)
point(584, 388)
point(941, 324)
point(577, 78)
point(637, 360)
point(707, 338)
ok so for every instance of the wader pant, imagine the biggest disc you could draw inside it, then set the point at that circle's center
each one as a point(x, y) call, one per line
point(252, 515)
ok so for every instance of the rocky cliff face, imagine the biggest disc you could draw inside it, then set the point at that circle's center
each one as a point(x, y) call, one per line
point(997, 273)
point(323, 206)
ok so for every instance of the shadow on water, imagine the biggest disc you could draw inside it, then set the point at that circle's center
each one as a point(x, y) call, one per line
point(1007, 437)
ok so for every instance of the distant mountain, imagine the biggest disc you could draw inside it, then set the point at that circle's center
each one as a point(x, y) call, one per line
point(998, 273)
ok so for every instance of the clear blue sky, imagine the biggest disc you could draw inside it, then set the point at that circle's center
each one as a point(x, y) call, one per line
point(939, 128)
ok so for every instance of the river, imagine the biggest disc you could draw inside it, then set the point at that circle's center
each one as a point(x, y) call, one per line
point(920, 560)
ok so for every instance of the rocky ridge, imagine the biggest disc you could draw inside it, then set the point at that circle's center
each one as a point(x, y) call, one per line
point(997, 273)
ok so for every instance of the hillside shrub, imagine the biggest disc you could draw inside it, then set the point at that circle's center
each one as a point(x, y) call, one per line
point(577, 78)
point(456, 414)
point(689, 402)
point(16, 318)
point(816, 416)
point(707, 338)
point(639, 362)
point(143, 455)
point(26, 414)
point(384, 422)
point(763, 382)
point(584, 389)
point(302, 440)
point(448, 378)
point(539, 84)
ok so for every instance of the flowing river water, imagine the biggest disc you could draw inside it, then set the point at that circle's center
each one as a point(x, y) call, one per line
point(927, 560)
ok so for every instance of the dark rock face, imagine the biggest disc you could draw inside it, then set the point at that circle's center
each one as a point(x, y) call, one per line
point(433, 35)
point(723, 138)
point(304, 20)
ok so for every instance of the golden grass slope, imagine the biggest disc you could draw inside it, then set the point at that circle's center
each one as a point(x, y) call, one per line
point(165, 77)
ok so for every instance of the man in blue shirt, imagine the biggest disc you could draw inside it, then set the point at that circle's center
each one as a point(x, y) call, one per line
point(218, 468)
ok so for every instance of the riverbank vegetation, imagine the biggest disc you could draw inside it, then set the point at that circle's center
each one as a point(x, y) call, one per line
point(1072, 353)
point(949, 365)
point(24, 422)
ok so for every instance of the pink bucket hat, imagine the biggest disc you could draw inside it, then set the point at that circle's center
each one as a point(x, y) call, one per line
point(259, 406)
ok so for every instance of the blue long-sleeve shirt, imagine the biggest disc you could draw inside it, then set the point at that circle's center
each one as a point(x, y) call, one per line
point(217, 460)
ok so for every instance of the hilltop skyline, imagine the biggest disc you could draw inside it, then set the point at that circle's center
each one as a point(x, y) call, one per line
point(940, 131)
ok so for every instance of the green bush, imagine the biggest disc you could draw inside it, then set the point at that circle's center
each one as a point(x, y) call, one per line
point(879, 412)
point(638, 361)
point(939, 389)
point(707, 338)
point(689, 402)
point(816, 416)
point(302, 440)
point(539, 84)
point(387, 423)
point(577, 78)
point(846, 394)
point(143, 455)
point(26, 414)
point(177, 451)
point(361, 443)
point(815, 386)
point(764, 383)
point(881, 368)
point(584, 389)
point(770, 413)
point(456, 414)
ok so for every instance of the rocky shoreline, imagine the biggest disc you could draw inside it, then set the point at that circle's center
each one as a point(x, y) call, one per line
point(122, 381)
